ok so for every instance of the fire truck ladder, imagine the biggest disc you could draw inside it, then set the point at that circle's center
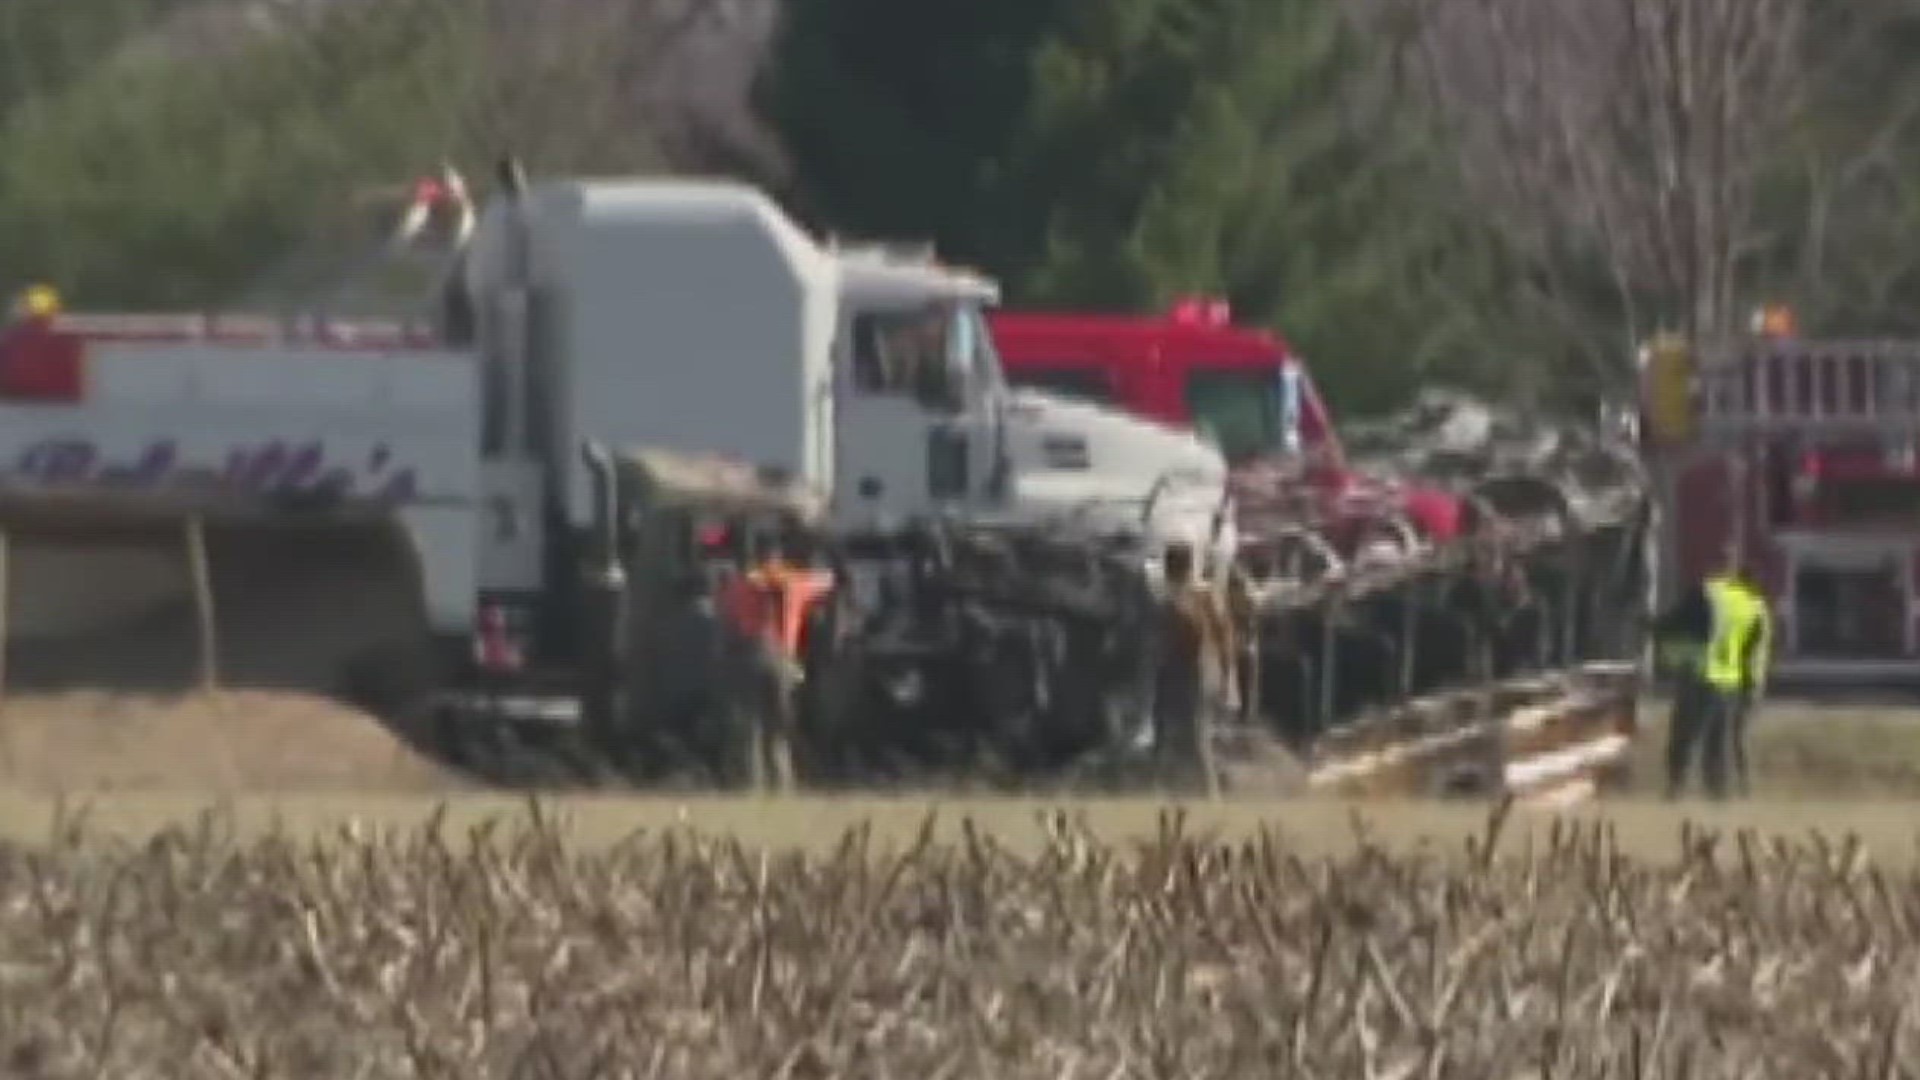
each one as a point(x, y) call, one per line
point(1801, 387)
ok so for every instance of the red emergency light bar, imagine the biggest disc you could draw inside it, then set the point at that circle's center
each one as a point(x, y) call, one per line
point(1201, 311)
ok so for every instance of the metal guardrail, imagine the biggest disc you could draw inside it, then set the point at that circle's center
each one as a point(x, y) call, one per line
point(1552, 739)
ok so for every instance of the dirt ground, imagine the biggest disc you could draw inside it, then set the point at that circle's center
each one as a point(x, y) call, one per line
point(254, 741)
point(1805, 749)
point(1647, 829)
point(103, 661)
point(225, 742)
point(268, 758)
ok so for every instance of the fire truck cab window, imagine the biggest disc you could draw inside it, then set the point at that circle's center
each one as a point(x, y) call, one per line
point(1240, 411)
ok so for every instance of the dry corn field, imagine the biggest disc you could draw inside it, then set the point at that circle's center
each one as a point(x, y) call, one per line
point(507, 950)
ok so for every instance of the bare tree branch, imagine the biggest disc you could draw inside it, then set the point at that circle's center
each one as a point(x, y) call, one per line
point(1624, 141)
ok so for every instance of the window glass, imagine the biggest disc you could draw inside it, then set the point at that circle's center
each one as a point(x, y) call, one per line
point(892, 350)
point(904, 353)
point(1877, 500)
point(1240, 411)
point(979, 359)
point(546, 339)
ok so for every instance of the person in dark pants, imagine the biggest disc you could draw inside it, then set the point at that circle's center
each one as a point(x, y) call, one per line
point(1715, 638)
point(757, 690)
point(772, 601)
point(1756, 658)
point(1698, 727)
point(1695, 725)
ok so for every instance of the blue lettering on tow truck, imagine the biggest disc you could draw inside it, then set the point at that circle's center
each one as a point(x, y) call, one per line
point(275, 466)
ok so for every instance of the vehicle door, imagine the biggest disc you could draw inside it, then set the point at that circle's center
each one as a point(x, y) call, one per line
point(893, 382)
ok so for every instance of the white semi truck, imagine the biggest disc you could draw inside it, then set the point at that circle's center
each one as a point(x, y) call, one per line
point(680, 314)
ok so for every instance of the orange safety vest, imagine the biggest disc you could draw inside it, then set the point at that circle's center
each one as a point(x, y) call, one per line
point(772, 602)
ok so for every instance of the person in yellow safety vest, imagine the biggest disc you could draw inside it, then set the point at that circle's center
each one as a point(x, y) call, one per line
point(1714, 640)
point(1751, 656)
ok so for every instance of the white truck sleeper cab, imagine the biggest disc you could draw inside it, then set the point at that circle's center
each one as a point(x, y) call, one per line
point(695, 317)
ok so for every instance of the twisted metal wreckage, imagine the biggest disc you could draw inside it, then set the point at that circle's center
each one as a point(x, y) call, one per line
point(1017, 656)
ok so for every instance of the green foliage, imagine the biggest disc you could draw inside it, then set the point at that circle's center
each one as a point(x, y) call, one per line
point(159, 184)
point(1114, 154)
point(192, 174)
point(898, 116)
point(1108, 154)
point(46, 45)
point(1256, 149)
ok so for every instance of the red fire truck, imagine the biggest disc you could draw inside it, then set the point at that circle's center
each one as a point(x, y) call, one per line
point(1801, 454)
point(1192, 368)
point(1242, 387)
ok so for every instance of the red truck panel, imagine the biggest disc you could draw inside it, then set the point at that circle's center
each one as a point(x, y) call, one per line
point(38, 363)
point(1147, 359)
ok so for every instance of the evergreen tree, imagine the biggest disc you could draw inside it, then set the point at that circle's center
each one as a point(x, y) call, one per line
point(1252, 148)
point(897, 116)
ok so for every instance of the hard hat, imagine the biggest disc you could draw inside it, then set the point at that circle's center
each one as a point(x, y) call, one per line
point(40, 301)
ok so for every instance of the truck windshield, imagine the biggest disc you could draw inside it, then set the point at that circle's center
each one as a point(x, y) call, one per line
point(1241, 411)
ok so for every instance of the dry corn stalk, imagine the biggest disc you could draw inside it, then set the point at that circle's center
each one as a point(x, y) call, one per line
point(507, 952)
